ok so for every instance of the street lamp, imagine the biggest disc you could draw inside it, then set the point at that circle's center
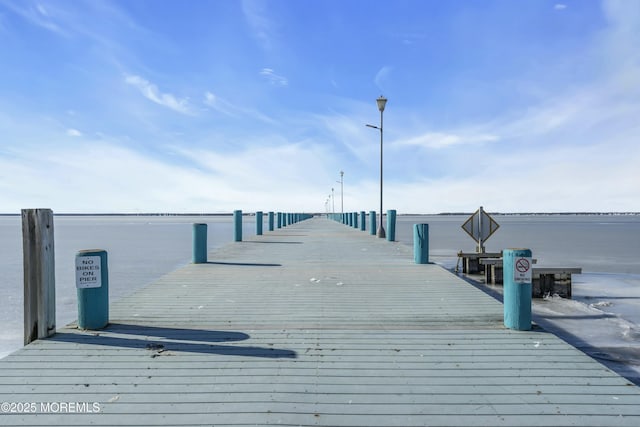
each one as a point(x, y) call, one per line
point(333, 201)
point(381, 101)
point(341, 192)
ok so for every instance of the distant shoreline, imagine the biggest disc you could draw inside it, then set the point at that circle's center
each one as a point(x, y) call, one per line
point(157, 214)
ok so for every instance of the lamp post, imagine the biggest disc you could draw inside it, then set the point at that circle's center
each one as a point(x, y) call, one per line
point(341, 192)
point(333, 202)
point(381, 101)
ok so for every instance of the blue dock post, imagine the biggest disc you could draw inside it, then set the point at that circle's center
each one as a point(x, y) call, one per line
point(391, 225)
point(363, 221)
point(517, 288)
point(199, 252)
point(271, 221)
point(237, 226)
point(259, 222)
point(421, 243)
point(372, 223)
point(279, 219)
point(355, 220)
point(92, 283)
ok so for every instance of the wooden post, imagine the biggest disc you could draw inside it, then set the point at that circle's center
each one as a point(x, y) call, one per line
point(259, 221)
point(199, 243)
point(421, 243)
point(39, 274)
point(372, 223)
point(237, 221)
point(271, 221)
point(517, 276)
point(391, 225)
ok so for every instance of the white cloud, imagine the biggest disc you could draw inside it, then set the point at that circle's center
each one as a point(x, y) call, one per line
point(560, 6)
point(437, 140)
point(273, 78)
point(255, 13)
point(382, 76)
point(227, 108)
point(74, 132)
point(152, 93)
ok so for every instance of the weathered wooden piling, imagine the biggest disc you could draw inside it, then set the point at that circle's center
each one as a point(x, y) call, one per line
point(391, 225)
point(39, 274)
point(237, 229)
point(199, 243)
point(421, 243)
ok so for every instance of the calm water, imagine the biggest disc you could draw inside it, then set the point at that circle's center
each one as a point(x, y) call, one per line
point(141, 249)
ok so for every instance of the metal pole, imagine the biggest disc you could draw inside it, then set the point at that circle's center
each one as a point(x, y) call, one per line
point(341, 192)
point(381, 232)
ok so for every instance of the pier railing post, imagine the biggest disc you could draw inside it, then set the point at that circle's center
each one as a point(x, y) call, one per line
point(199, 252)
point(39, 274)
point(372, 223)
point(391, 225)
point(237, 222)
point(92, 283)
point(421, 243)
point(517, 276)
point(259, 221)
point(363, 221)
point(271, 214)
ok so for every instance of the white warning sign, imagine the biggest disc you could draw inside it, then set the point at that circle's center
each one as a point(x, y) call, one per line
point(522, 270)
point(88, 274)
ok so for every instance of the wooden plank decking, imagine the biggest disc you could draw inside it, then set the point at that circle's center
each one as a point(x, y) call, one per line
point(314, 324)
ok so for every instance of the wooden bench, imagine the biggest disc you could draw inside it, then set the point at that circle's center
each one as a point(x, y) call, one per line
point(545, 280)
point(471, 261)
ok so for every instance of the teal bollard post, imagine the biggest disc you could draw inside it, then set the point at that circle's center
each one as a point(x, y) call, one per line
point(279, 219)
point(259, 222)
point(421, 243)
point(391, 225)
point(92, 283)
point(237, 226)
point(517, 276)
point(372, 223)
point(355, 220)
point(271, 214)
point(199, 252)
point(363, 221)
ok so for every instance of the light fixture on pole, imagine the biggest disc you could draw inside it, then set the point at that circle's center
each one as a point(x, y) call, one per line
point(341, 192)
point(382, 102)
point(333, 202)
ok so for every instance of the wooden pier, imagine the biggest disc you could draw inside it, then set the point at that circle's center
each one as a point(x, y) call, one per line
point(313, 324)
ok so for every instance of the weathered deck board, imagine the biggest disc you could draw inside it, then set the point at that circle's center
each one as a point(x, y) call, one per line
point(314, 324)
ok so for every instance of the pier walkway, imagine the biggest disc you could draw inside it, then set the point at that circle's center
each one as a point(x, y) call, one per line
point(313, 324)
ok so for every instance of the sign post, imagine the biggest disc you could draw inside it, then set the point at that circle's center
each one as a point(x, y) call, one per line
point(480, 226)
point(517, 288)
point(92, 283)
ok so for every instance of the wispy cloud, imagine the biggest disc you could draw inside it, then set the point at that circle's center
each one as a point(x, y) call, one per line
point(152, 93)
point(73, 132)
point(225, 107)
point(560, 6)
point(438, 140)
point(382, 76)
point(273, 78)
point(38, 15)
point(255, 12)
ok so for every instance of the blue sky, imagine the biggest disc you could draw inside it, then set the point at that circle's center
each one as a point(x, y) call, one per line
point(210, 106)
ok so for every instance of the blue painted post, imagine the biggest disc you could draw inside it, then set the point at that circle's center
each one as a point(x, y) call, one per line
point(237, 222)
point(259, 222)
point(421, 243)
point(372, 223)
point(92, 283)
point(279, 219)
point(199, 252)
point(363, 221)
point(391, 225)
point(271, 221)
point(517, 276)
point(355, 219)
